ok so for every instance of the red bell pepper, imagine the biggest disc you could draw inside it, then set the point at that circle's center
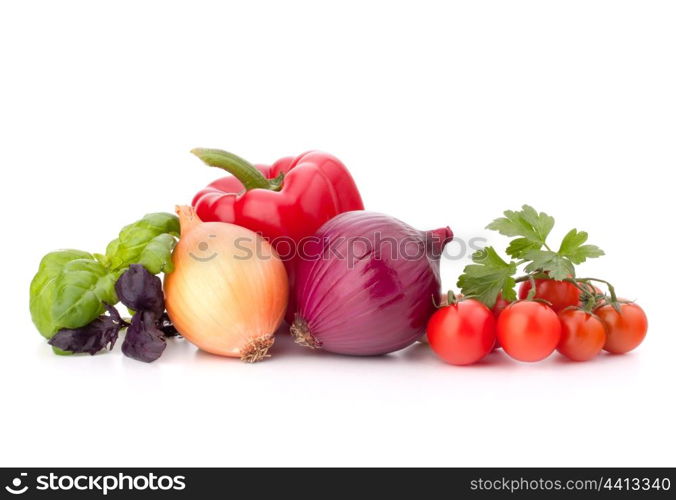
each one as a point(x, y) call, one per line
point(284, 202)
point(290, 199)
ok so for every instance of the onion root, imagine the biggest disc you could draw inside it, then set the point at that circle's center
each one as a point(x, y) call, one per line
point(257, 349)
point(302, 335)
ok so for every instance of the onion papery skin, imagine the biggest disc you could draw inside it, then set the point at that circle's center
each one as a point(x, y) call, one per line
point(225, 305)
point(376, 302)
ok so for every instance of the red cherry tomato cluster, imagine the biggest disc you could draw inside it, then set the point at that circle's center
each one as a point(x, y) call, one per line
point(465, 331)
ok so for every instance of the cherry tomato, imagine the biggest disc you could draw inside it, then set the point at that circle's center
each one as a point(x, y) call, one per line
point(500, 305)
point(626, 329)
point(582, 335)
point(592, 288)
point(560, 294)
point(528, 331)
point(462, 333)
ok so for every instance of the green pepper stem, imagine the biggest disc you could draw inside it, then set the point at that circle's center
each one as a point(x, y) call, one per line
point(246, 173)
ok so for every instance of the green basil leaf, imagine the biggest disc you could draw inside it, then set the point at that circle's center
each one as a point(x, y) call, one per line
point(61, 352)
point(42, 289)
point(156, 256)
point(80, 291)
point(133, 240)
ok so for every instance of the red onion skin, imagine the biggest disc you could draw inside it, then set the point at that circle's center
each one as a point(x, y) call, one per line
point(382, 303)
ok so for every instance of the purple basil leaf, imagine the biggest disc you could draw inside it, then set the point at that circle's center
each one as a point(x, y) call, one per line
point(144, 341)
point(140, 290)
point(167, 327)
point(90, 338)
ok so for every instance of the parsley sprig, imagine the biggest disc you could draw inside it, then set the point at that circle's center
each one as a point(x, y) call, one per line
point(490, 274)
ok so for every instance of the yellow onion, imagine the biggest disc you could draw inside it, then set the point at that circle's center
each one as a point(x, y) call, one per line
point(228, 291)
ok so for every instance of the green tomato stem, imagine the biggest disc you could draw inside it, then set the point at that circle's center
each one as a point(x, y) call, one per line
point(531, 292)
point(611, 288)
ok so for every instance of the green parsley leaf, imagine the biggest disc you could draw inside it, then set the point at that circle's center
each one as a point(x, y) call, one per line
point(519, 247)
point(488, 276)
point(532, 227)
point(572, 247)
point(558, 266)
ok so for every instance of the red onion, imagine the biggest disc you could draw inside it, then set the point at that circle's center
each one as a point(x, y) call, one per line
point(366, 284)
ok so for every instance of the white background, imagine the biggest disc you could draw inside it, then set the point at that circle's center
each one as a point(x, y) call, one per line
point(445, 112)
